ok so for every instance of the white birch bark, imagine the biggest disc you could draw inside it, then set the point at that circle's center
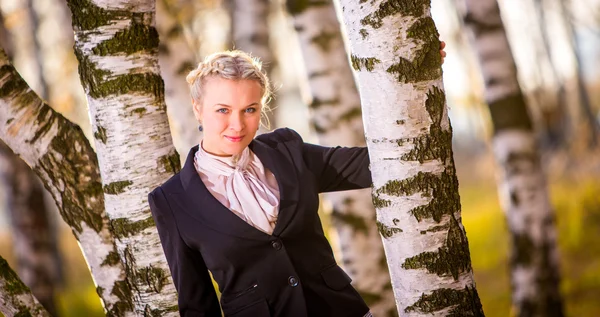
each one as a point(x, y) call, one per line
point(176, 59)
point(33, 232)
point(521, 180)
point(250, 33)
point(395, 52)
point(15, 298)
point(336, 119)
point(63, 159)
point(117, 47)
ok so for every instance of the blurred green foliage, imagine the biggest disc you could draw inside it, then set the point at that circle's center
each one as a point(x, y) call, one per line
point(577, 206)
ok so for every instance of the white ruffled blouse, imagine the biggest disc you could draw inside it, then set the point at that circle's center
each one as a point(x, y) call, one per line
point(242, 184)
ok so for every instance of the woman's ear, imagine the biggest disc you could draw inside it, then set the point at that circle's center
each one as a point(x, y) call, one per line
point(197, 110)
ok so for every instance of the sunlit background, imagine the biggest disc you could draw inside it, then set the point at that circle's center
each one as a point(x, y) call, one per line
point(556, 47)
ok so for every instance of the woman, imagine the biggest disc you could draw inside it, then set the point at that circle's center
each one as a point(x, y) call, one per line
point(245, 208)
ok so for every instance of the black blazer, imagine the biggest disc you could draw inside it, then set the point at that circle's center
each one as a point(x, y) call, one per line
point(289, 273)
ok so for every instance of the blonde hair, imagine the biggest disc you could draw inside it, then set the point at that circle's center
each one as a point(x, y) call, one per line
point(233, 65)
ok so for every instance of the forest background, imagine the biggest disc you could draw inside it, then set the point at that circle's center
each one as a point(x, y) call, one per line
point(41, 38)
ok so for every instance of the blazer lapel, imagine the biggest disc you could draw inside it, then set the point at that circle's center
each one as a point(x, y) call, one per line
point(282, 167)
point(202, 205)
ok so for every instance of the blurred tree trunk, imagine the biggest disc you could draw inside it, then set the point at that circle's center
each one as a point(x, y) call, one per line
point(522, 183)
point(15, 298)
point(19, 20)
point(34, 234)
point(250, 33)
point(336, 118)
point(54, 37)
point(585, 127)
point(58, 152)
point(395, 52)
point(555, 117)
point(176, 59)
point(117, 49)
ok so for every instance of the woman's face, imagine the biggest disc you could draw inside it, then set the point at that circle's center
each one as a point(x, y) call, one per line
point(229, 114)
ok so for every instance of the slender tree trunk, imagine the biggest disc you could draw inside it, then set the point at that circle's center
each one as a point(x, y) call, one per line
point(117, 48)
point(336, 118)
point(34, 236)
point(521, 181)
point(586, 126)
point(250, 33)
point(176, 59)
point(54, 38)
point(15, 298)
point(58, 152)
point(19, 18)
point(556, 123)
point(395, 52)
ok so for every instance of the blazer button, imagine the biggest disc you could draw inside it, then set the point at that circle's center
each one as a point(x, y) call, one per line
point(293, 281)
point(276, 245)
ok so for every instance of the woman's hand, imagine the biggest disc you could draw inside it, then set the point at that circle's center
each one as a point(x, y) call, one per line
point(442, 52)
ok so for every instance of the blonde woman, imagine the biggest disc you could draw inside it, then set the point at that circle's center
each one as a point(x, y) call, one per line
point(245, 208)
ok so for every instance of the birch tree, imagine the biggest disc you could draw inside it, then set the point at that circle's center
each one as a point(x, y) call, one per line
point(336, 119)
point(586, 125)
point(15, 298)
point(395, 53)
point(58, 152)
point(116, 44)
point(20, 18)
point(33, 232)
point(521, 182)
point(176, 59)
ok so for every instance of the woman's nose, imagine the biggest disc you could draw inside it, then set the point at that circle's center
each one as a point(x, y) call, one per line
point(236, 123)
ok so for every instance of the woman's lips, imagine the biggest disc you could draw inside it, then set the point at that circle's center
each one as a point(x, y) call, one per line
point(234, 139)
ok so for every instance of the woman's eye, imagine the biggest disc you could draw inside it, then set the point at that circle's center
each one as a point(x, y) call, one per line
point(222, 110)
point(251, 110)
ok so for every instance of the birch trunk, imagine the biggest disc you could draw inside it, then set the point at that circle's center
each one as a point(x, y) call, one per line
point(395, 52)
point(250, 33)
point(116, 44)
point(15, 298)
point(176, 59)
point(336, 118)
point(585, 126)
point(19, 20)
point(521, 182)
point(34, 234)
point(54, 36)
point(556, 123)
point(61, 156)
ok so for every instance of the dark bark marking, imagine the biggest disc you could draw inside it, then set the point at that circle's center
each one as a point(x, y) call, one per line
point(296, 7)
point(391, 7)
point(510, 113)
point(452, 258)
point(368, 63)
point(316, 103)
point(170, 162)
point(116, 188)
point(464, 302)
point(123, 227)
point(356, 222)
point(426, 65)
point(100, 134)
point(137, 37)
point(387, 232)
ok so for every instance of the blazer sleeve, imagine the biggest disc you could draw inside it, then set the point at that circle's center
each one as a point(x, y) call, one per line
point(337, 168)
point(197, 296)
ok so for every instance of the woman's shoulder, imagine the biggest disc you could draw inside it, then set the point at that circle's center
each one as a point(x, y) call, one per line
point(280, 135)
point(171, 185)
